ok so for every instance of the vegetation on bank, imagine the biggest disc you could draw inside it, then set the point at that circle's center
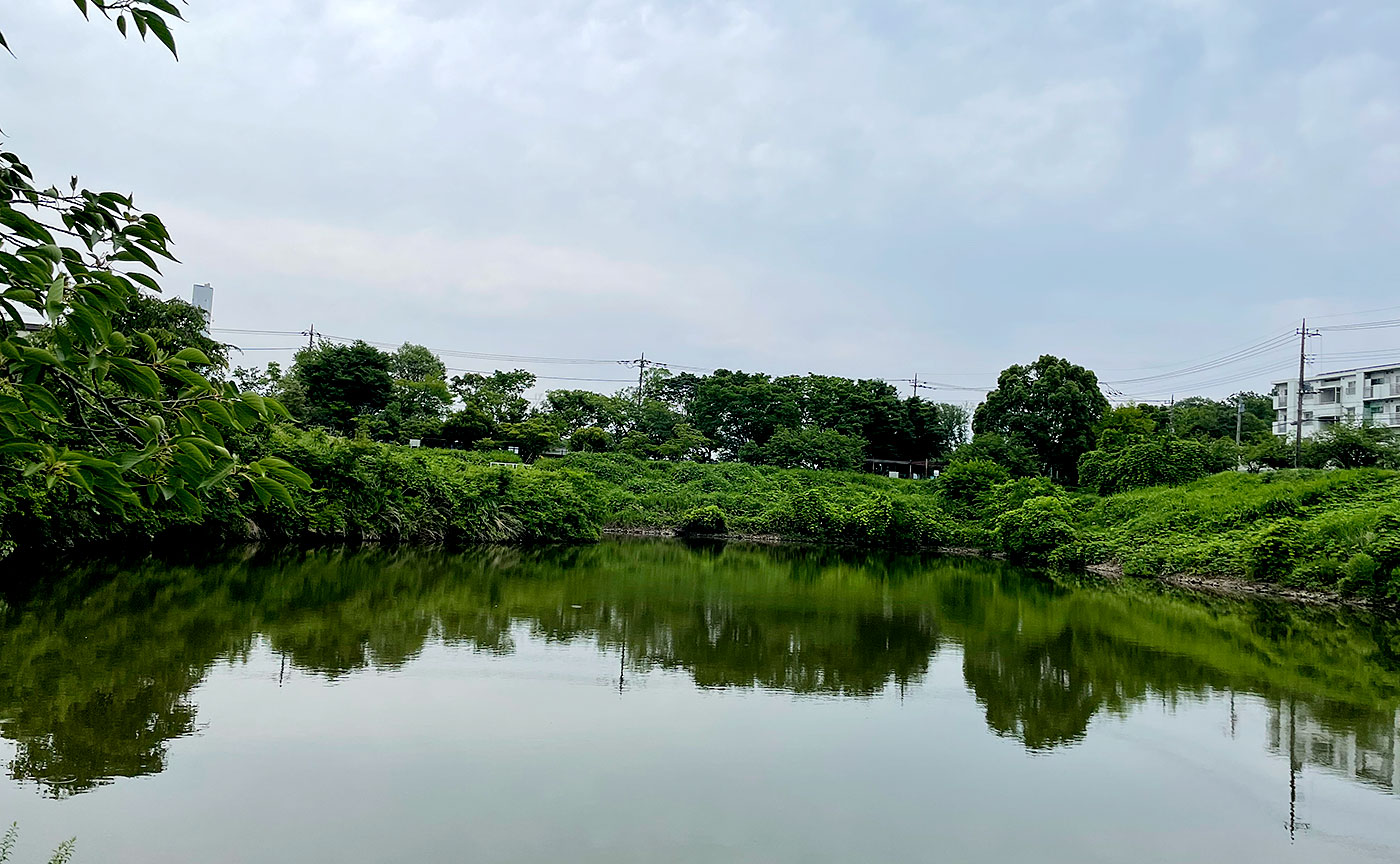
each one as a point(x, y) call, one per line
point(1336, 530)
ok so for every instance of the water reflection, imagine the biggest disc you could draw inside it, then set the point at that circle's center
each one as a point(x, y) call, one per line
point(96, 670)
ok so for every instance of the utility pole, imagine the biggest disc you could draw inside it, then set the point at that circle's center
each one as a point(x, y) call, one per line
point(1239, 421)
point(641, 363)
point(1303, 335)
point(917, 386)
point(914, 391)
point(310, 336)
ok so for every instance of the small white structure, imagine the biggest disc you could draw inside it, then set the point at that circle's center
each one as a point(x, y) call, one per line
point(204, 299)
point(1352, 396)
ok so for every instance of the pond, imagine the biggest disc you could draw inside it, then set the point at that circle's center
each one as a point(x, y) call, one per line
point(648, 701)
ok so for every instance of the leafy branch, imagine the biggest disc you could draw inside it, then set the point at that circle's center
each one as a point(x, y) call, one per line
point(84, 402)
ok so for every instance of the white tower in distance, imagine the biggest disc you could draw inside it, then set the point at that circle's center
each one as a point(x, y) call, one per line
point(204, 299)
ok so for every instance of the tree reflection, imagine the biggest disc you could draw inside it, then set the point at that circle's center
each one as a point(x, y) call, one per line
point(96, 669)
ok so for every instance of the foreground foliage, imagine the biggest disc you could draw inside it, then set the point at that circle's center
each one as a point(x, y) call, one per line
point(97, 400)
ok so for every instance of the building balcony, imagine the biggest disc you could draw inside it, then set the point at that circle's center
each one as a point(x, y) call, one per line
point(1380, 391)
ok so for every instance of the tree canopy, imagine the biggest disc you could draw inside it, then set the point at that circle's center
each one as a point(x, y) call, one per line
point(1051, 406)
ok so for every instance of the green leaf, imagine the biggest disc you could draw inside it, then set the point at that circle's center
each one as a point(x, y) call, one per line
point(129, 460)
point(193, 355)
point(158, 27)
point(218, 476)
point(195, 452)
point(259, 491)
point(23, 225)
point(216, 410)
point(273, 489)
point(167, 7)
point(188, 503)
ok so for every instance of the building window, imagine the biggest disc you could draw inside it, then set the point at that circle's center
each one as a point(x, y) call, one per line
point(1351, 388)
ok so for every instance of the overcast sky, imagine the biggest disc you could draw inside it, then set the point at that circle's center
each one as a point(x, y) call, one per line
point(874, 189)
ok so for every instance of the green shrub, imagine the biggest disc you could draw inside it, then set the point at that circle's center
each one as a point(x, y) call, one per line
point(1154, 462)
point(1011, 495)
point(1078, 553)
point(806, 514)
point(1275, 551)
point(1034, 530)
point(703, 520)
point(964, 484)
point(1318, 573)
point(1359, 575)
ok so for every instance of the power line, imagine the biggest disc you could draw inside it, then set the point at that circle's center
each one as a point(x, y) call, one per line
point(448, 352)
point(1260, 348)
point(1249, 374)
point(1363, 325)
point(1171, 381)
point(1360, 312)
point(1229, 353)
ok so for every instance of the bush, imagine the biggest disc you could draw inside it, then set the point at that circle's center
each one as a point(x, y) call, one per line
point(1034, 530)
point(703, 520)
point(1364, 445)
point(1359, 575)
point(964, 484)
point(1012, 455)
point(1077, 554)
point(1155, 462)
point(822, 449)
point(1317, 573)
point(1275, 551)
point(1009, 496)
point(809, 515)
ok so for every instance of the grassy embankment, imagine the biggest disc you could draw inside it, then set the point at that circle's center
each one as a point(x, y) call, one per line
point(1332, 530)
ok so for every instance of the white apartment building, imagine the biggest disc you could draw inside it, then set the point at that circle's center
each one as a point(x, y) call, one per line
point(1352, 395)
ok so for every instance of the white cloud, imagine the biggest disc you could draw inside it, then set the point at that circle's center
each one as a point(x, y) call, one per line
point(853, 185)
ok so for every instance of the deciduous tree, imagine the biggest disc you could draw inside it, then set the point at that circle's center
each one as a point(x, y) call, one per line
point(1052, 406)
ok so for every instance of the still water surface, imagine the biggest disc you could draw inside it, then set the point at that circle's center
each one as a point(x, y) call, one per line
point(649, 701)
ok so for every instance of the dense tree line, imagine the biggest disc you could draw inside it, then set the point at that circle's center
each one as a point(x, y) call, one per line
point(1048, 419)
point(814, 421)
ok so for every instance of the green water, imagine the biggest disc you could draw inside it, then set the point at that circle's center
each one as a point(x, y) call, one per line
point(649, 701)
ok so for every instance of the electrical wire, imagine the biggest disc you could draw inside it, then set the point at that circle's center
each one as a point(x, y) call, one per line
point(1362, 325)
point(1271, 344)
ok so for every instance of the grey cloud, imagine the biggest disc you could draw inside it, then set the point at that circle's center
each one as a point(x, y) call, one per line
point(860, 187)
